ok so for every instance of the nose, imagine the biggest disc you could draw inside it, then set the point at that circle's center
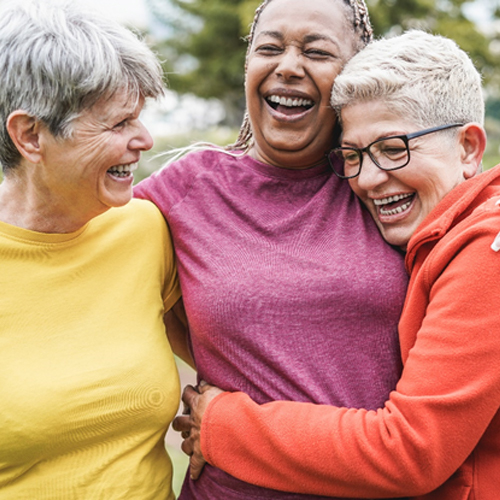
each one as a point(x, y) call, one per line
point(290, 64)
point(142, 140)
point(371, 176)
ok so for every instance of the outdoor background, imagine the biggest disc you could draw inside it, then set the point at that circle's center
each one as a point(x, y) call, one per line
point(202, 46)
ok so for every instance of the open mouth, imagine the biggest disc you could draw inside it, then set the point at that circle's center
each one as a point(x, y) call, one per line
point(289, 105)
point(394, 205)
point(123, 170)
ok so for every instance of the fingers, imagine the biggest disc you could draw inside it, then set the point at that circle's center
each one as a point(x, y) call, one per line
point(188, 395)
point(187, 447)
point(189, 424)
point(181, 423)
point(196, 464)
point(204, 387)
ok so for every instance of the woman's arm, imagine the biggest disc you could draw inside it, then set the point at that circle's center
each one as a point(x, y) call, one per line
point(177, 332)
point(448, 394)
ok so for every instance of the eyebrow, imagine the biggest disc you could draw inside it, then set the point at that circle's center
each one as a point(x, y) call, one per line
point(273, 34)
point(316, 37)
point(383, 136)
point(307, 38)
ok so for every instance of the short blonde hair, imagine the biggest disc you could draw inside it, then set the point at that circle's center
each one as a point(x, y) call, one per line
point(423, 76)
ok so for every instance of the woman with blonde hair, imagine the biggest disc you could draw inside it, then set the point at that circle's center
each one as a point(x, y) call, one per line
point(412, 110)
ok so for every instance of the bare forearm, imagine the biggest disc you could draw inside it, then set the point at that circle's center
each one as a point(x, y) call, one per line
point(177, 332)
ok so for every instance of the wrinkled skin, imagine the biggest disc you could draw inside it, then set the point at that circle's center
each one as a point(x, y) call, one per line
point(196, 401)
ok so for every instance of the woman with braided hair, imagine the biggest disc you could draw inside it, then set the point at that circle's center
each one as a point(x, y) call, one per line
point(261, 231)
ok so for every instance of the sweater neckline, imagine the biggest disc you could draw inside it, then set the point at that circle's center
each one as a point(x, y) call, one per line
point(284, 173)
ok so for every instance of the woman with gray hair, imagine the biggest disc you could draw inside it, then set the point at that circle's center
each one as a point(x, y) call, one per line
point(88, 382)
point(411, 109)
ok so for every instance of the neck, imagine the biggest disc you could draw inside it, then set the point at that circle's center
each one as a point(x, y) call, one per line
point(27, 206)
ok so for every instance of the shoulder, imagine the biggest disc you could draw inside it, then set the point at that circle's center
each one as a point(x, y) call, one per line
point(471, 246)
point(183, 170)
point(168, 186)
point(138, 217)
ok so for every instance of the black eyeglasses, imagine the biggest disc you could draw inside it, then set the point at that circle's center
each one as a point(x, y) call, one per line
point(388, 153)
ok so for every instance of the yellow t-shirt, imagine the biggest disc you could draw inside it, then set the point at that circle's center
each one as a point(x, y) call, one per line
point(88, 383)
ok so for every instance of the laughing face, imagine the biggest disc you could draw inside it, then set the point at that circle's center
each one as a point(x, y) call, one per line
point(297, 51)
point(399, 200)
point(93, 169)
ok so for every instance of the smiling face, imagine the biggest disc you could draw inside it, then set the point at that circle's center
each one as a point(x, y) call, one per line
point(92, 171)
point(399, 200)
point(297, 51)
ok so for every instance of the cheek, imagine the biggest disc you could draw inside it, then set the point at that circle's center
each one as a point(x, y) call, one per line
point(257, 71)
point(353, 184)
point(326, 80)
point(431, 193)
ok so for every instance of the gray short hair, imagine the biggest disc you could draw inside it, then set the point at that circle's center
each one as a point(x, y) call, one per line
point(57, 59)
point(425, 77)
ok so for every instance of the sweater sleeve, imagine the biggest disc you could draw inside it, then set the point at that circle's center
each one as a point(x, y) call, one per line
point(445, 400)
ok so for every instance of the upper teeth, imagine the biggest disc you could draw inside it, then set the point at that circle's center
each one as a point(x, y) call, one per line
point(283, 101)
point(391, 199)
point(131, 167)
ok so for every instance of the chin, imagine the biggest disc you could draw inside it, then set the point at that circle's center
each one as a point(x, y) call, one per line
point(117, 201)
point(396, 240)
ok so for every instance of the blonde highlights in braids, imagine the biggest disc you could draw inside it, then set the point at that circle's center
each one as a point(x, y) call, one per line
point(360, 24)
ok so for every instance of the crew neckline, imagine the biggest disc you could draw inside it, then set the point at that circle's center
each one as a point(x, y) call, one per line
point(286, 173)
point(31, 236)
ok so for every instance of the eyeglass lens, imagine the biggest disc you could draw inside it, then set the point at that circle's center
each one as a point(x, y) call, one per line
point(388, 154)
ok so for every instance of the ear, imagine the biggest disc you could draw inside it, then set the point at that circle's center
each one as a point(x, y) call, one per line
point(472, 140)
point(24, 130)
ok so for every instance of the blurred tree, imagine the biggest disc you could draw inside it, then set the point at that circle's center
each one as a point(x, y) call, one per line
point(205, 47)
point(204, 43)
point(443, 17)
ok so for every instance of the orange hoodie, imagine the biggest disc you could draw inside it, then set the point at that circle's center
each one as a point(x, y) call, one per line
point(438, 436)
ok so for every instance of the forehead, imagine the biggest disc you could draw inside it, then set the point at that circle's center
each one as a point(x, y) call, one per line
point(367, 121)
point(301, 18)
point(113, 107)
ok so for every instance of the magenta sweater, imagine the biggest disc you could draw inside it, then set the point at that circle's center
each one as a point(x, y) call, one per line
point(290, 291)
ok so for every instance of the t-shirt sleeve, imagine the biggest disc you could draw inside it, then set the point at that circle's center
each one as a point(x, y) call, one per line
point(165, 188)
point(156, 231)
point(169, 185)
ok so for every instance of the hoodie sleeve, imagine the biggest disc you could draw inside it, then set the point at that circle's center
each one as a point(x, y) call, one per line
point(443, 405)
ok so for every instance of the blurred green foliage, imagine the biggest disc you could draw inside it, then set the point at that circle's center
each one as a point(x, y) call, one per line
point(204, 48)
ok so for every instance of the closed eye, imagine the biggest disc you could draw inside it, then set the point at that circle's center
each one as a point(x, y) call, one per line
point(318, 54)
point(121, 124)
point(350, 156)
point(268, 49)
point(393, 152)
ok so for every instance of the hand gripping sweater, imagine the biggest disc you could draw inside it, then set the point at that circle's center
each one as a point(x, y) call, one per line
point(438, 436)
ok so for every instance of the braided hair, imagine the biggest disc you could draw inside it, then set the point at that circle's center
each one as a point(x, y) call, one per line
point(361, 27)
